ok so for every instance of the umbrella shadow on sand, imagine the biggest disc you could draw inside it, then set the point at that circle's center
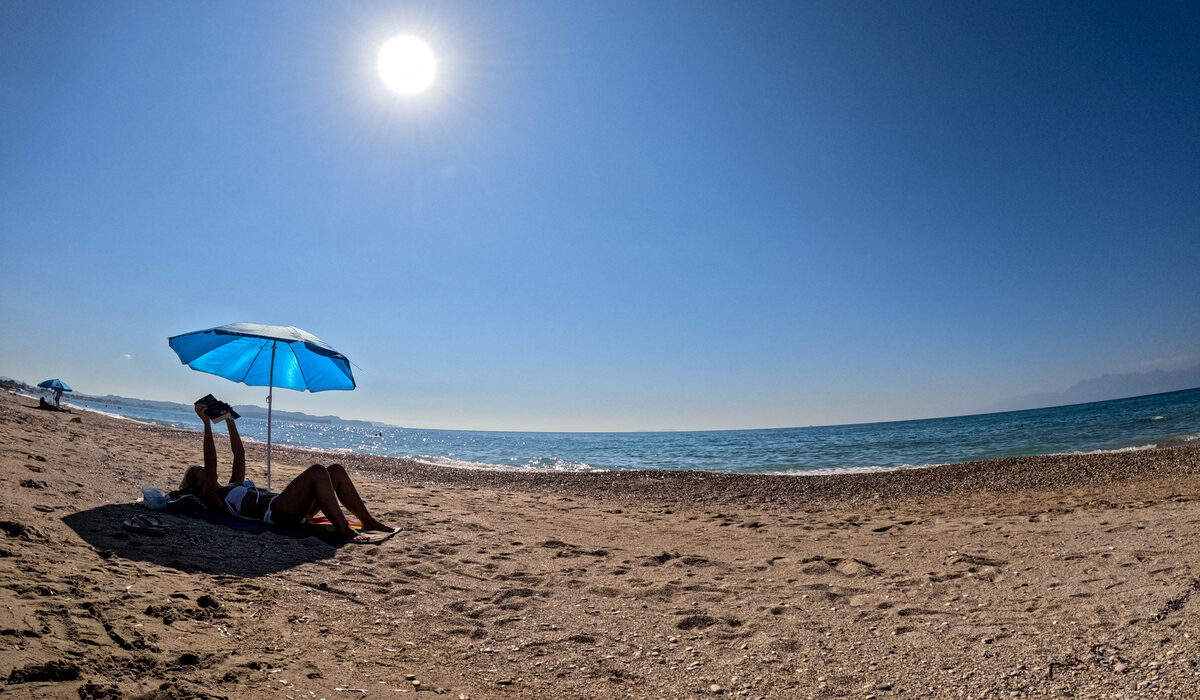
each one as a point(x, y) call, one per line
point(192, 545)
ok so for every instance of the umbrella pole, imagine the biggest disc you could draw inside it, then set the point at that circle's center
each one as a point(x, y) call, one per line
point(270, 395)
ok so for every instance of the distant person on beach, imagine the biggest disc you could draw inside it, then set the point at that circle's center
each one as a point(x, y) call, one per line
point(58, 398)
point(318, 488)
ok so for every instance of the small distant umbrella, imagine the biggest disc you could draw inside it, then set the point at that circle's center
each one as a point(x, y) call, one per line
point(257, 354)
point(55, 385)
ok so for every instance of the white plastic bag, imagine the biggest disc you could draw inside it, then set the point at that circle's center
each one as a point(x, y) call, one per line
point(153, 498)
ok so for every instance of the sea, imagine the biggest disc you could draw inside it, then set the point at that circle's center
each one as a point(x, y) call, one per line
point(1138, 423)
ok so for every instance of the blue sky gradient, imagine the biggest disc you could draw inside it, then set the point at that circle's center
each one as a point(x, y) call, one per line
point(607, 216)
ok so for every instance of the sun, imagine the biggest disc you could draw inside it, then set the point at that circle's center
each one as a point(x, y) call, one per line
point(407, 65)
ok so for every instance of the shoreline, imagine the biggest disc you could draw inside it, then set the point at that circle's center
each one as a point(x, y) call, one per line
point(342, 453)
point(1022, 577)
point(1004, 475)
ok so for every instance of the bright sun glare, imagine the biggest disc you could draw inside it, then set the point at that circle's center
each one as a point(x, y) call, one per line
point(407, 65)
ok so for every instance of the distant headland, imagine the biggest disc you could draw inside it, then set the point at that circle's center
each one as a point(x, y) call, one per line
point(246, 411)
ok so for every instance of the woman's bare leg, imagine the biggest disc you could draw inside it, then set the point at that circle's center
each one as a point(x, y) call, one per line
point(347, 494)
point(349, 497)
point(313, 486)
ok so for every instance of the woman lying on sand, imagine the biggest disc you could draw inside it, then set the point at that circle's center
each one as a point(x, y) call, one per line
point(319, 488)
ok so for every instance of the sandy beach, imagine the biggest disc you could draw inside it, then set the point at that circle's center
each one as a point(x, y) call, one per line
point(1064, 576)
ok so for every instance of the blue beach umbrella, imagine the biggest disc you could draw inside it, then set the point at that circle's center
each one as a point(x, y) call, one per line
point(55, 385)
point(257, 354)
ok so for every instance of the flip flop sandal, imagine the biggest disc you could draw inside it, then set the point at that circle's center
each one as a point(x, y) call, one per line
point(145, 525)
point(376, 537)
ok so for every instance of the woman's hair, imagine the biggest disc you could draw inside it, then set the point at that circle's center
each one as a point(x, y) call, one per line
point(191, 485)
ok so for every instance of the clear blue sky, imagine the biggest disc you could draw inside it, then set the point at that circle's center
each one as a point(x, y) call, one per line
point(608, 215)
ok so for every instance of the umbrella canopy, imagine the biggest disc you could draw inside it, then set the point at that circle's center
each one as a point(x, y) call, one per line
point(55, 385)
point(258, 354)
point(261, 355)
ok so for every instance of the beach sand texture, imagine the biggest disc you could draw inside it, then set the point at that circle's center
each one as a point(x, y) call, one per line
point(1038, 577)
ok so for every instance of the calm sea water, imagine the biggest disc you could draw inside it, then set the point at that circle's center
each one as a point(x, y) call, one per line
point(1125, 424)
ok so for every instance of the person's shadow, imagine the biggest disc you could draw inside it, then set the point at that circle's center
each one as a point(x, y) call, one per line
point(191, 544)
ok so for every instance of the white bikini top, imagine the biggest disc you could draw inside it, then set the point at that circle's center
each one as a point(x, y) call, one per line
point(237, 496)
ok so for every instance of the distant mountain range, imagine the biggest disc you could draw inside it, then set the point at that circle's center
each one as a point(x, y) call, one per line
point(1107, 387)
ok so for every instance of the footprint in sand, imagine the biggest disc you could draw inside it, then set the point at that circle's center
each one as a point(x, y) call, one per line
point(514, 593)
point(817, 566)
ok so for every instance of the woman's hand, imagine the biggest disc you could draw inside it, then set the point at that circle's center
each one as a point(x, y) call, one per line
point(203, 416)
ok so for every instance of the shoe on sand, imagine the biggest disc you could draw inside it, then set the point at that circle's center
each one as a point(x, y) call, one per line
point(145, 525)
point(375, 537)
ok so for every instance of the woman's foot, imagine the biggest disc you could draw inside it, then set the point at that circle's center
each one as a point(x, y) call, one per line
point(373, 524)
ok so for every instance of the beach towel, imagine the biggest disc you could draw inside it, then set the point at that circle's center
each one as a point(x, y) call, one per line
point(318, 526)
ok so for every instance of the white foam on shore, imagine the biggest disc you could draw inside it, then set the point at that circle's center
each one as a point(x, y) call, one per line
point(104, 413)
point(832, 471)
point(112, 415)
point(1116, 450)
point(431, 461)
point(570, 467)
point(545, 465)
point(187, 428)
point(906, 467)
